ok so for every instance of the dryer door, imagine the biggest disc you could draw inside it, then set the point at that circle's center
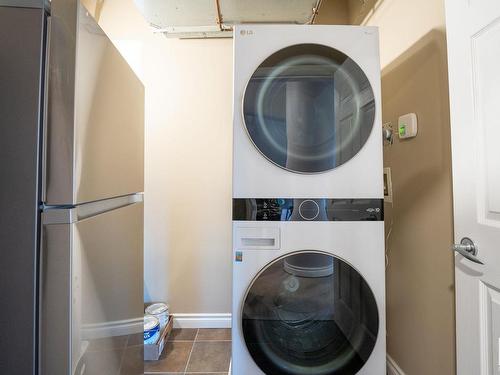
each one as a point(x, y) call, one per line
point(308, 108)
point(309, 313)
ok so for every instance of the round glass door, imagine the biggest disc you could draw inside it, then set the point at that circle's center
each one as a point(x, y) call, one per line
point(309, 313)
point(309, 108)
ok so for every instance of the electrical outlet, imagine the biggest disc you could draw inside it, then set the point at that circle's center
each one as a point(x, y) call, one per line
point(387, 185)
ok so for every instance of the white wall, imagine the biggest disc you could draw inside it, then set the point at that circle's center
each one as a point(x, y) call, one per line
point(188, 161)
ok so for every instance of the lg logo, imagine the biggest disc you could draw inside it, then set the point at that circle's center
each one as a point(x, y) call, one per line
point(246, 32)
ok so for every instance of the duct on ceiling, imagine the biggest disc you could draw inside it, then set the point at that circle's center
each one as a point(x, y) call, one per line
point(215, 18)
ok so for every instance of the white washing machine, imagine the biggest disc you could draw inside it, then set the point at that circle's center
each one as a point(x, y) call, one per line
point(308, 237)
point(308, 298)
point(307, 114)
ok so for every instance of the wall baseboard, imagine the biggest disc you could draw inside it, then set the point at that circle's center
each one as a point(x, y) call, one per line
point(129, 326)
point(202, 320)
point(392, 367)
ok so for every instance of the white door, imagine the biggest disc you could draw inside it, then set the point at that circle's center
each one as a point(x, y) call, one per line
point(473, 33)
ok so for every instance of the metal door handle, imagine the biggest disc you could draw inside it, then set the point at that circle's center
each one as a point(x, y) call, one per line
point(468, 249)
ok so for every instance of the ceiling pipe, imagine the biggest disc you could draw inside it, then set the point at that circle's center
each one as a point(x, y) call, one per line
point(219, 15)
point(315, 11)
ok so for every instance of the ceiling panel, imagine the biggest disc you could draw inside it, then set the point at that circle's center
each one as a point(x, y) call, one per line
point(199, 18)
point(267, 11)
point(171, 13)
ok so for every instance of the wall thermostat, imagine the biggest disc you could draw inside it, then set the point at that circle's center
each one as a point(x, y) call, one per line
point(407, 126)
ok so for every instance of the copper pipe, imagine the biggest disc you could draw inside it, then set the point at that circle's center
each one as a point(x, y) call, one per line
point(219, 16)
point(315, 11)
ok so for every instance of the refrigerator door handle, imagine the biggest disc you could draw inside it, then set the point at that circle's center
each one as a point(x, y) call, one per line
point(44, 126)
point(72, 214)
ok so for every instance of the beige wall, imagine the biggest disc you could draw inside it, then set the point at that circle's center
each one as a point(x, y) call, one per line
point(188, 161)
point(402, 23)
point(333, 12)
point(358, 10)
point(420, 279)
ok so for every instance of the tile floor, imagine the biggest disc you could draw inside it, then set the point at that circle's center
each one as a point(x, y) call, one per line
point(194, 351)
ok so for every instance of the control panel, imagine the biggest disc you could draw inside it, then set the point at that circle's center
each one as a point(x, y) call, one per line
point(303, 209)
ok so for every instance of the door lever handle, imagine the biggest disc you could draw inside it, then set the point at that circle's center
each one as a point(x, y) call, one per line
point(468, 249)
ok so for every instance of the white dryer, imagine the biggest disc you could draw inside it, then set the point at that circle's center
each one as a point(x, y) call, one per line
point(307, 115)
point(308, 237)
point(308, 298)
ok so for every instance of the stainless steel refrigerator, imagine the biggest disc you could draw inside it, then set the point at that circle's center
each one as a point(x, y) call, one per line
point(71, 202)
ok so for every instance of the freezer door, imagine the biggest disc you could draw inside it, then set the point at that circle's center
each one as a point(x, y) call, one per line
point(95, 125)
point(92, 294)
point(21, 57)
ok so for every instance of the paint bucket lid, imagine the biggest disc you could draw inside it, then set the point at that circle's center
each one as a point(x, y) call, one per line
point(157, 308)
point(150, 322)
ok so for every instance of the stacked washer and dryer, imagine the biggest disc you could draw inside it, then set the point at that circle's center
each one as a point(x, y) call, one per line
point(308, 231)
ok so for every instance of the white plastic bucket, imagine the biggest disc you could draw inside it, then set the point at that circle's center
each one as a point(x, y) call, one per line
point(160, 311)
point(151, 329)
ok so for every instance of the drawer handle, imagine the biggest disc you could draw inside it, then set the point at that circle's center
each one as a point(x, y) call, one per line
point(258, 241)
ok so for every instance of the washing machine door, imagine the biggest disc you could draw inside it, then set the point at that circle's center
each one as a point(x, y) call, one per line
point(309, 313)
point(309, 108)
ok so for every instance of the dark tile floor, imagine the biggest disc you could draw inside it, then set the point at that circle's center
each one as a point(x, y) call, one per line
point(194, 351)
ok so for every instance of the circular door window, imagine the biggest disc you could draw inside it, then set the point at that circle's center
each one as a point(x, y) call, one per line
point(309, 108)
point(309, 313)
